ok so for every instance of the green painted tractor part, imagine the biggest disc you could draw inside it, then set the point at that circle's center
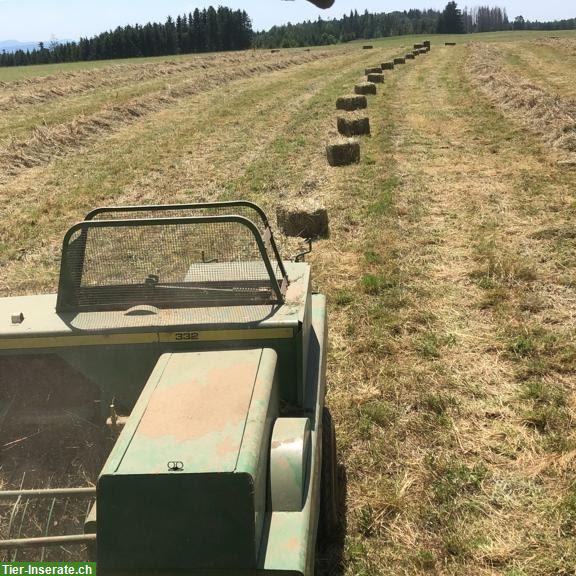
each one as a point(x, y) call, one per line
point(207, 356)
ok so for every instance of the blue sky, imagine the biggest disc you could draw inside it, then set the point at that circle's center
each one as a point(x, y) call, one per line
point(27, 20)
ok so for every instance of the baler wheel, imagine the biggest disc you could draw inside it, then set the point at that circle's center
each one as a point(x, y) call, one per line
point(330, 489)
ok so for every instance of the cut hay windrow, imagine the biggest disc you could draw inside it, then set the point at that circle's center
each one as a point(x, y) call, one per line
point(48, 142)
point(34, 91)
point(552, 117)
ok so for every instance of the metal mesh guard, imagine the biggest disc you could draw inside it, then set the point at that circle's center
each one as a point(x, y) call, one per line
point(167, 263)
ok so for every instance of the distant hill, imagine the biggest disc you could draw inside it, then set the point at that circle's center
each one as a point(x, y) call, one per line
point(13, 45)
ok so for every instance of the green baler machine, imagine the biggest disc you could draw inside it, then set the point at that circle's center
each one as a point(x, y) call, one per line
point(208, 356)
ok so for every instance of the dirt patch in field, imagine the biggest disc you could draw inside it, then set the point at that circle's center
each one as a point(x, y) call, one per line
point(552, 117)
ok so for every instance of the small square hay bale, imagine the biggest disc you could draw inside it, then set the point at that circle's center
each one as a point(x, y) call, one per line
point(418, 46)
point(409, 56)
point(353, 125)
point(376, 78)
point(375, 70)
point(449, 43)
point(365, 88)
point(351, 103)
point(426, 44)
point(308, 220)
point(367, 47)
point(275, 50)
point(343, 152)
point(388, 66)
point(399, 61)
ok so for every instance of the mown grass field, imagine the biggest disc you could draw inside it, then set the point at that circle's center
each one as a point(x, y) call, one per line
point(450, 270)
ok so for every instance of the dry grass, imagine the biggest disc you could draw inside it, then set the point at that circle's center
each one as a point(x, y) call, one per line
point(45, 142)
point(552, 117)
point(450, 273)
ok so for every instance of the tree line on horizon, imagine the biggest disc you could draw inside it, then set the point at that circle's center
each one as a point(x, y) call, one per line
point(223, 29)
point(366, 25)
point(207, 30)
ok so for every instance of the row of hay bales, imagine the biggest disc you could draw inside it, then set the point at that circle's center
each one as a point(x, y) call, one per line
point(308, 218)
point(352, 120)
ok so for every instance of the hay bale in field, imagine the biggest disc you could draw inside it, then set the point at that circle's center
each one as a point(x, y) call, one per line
point(375, 70)
point(351, 103)
point(449, 43)
point(365, 88)
point(399, 61)
point(426, 44)
point(388, 66)
point(415, 53)
point(409, 56)
point(343, 153)
point(353, 125)
point(367, 47)
point(275, 50)
point(418, 46)
point(570, 164)
point(376, 78)
point(303, 221)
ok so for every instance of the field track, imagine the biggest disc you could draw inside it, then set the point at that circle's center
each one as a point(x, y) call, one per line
point(450, 270)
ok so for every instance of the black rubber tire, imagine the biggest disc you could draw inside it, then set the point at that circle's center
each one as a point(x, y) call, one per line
point(329, 525)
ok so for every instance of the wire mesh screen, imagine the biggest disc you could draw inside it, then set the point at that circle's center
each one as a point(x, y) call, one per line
point(167, 263)
point(245, 209)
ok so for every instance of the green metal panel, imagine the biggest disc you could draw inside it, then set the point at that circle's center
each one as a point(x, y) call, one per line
point(196, 414)
point(212, 414)
point(175, 522)
point(291, 536)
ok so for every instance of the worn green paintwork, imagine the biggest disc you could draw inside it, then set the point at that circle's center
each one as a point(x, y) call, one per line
point(268, 542)
point(210, 412)
point(287, 539)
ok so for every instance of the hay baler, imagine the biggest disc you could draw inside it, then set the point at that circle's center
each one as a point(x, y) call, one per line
point(204, 354)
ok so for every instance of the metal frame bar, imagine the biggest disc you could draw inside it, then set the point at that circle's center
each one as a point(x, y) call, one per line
point(47, 493)
point(47, 541)
point(65, 289)
point(197, 206)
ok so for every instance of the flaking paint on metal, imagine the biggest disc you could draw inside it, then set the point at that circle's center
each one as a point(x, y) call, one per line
point(196, 415)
